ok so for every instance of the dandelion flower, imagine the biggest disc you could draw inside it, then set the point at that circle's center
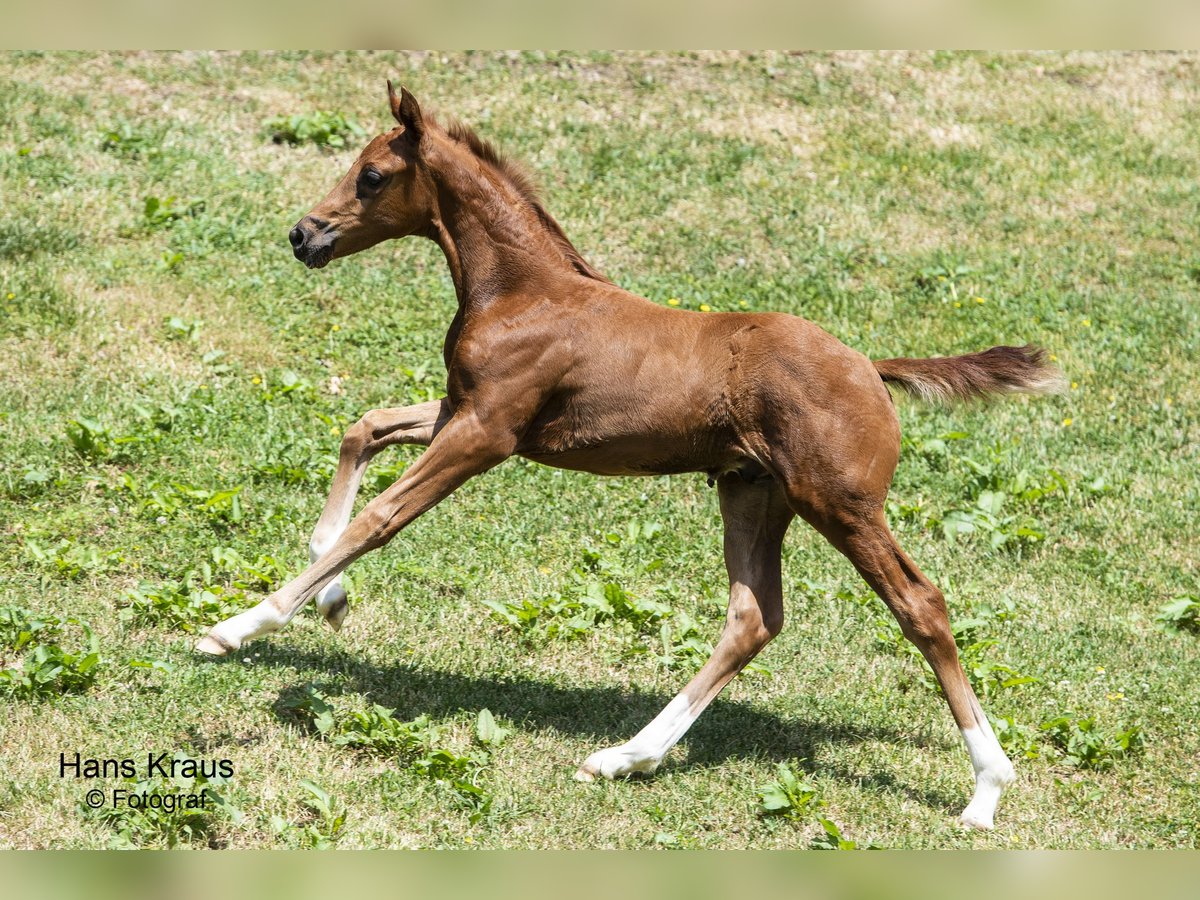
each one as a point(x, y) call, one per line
point(704, 307)
point(980, 300)
point(337, 327)
point(256, 380)
point(1074, 385)
point(674, 301)
point(1087, 323)
point(1067, 422)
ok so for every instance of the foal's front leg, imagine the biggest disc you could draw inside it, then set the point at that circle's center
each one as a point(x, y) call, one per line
point(376, 430)
point(460, 449)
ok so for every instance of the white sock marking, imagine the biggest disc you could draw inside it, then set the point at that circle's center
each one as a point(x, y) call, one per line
point(236, 630)
point(646, 749)
point(993, 773)
point(333, 593)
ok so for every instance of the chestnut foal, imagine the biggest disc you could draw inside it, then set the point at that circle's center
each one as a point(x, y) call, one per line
point(549, 360)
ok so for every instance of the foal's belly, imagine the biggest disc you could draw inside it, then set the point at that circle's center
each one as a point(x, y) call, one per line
point(627, 454)
point(609, 461)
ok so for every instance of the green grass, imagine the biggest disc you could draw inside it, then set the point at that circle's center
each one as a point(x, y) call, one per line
point(170, 422)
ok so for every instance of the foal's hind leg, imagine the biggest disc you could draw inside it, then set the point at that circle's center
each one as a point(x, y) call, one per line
point(756, 518)
point(376, 430)
point(920, 609)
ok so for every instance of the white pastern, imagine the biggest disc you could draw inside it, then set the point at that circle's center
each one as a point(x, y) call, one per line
point(331, 599)
point(233, 632)
point(993, 773)
point(645, 751)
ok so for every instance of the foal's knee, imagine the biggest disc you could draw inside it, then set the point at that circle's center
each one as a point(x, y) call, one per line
point(357, 438)
point(751, 626)
point(921, 612)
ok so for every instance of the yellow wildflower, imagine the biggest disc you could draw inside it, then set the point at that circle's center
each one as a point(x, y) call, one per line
point(704, 307)
point(1074, 385)
point(337, 327)
point(1067, 422)
point(980, 300)
point(957, 304)
point(674, 301)
point(1087, 323)
point(256, 380)
point(10, 296)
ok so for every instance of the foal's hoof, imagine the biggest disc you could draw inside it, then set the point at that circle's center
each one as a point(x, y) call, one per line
point(975, 822)
point(213, 646)
point(615, 762)
point(333, 604)
point(336, 614)
point(587, 772)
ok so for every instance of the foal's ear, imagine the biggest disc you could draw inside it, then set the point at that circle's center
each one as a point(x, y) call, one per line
point(407, 112)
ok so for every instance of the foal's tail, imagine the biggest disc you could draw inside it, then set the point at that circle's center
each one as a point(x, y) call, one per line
point(1001, 370)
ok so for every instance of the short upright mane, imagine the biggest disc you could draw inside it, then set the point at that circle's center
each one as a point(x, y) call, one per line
point(524, 186)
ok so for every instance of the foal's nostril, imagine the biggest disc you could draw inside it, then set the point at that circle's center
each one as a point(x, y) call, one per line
point(296, 236)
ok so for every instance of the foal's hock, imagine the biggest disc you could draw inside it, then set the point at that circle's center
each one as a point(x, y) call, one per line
point(548, 359)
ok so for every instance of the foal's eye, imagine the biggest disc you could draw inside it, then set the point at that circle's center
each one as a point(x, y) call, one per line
point(372, 178)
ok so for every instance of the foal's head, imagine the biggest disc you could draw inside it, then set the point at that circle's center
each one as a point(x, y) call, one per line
point(387, 193)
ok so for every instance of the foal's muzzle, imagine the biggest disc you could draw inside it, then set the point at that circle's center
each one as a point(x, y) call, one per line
point(312, 242)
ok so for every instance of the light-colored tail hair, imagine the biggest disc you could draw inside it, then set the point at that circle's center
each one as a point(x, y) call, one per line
point(1001, 370)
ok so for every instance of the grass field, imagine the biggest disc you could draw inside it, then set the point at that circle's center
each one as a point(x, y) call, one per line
point(176, 386)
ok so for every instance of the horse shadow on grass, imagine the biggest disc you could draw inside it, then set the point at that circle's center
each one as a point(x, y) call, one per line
point(603, 715)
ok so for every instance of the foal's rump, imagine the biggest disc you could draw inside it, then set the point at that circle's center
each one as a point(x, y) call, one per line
point(817, 413)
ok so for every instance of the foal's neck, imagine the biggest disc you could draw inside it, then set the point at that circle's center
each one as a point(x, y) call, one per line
point(494, 241)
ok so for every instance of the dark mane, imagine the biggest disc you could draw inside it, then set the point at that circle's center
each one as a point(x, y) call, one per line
point(516, 176)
